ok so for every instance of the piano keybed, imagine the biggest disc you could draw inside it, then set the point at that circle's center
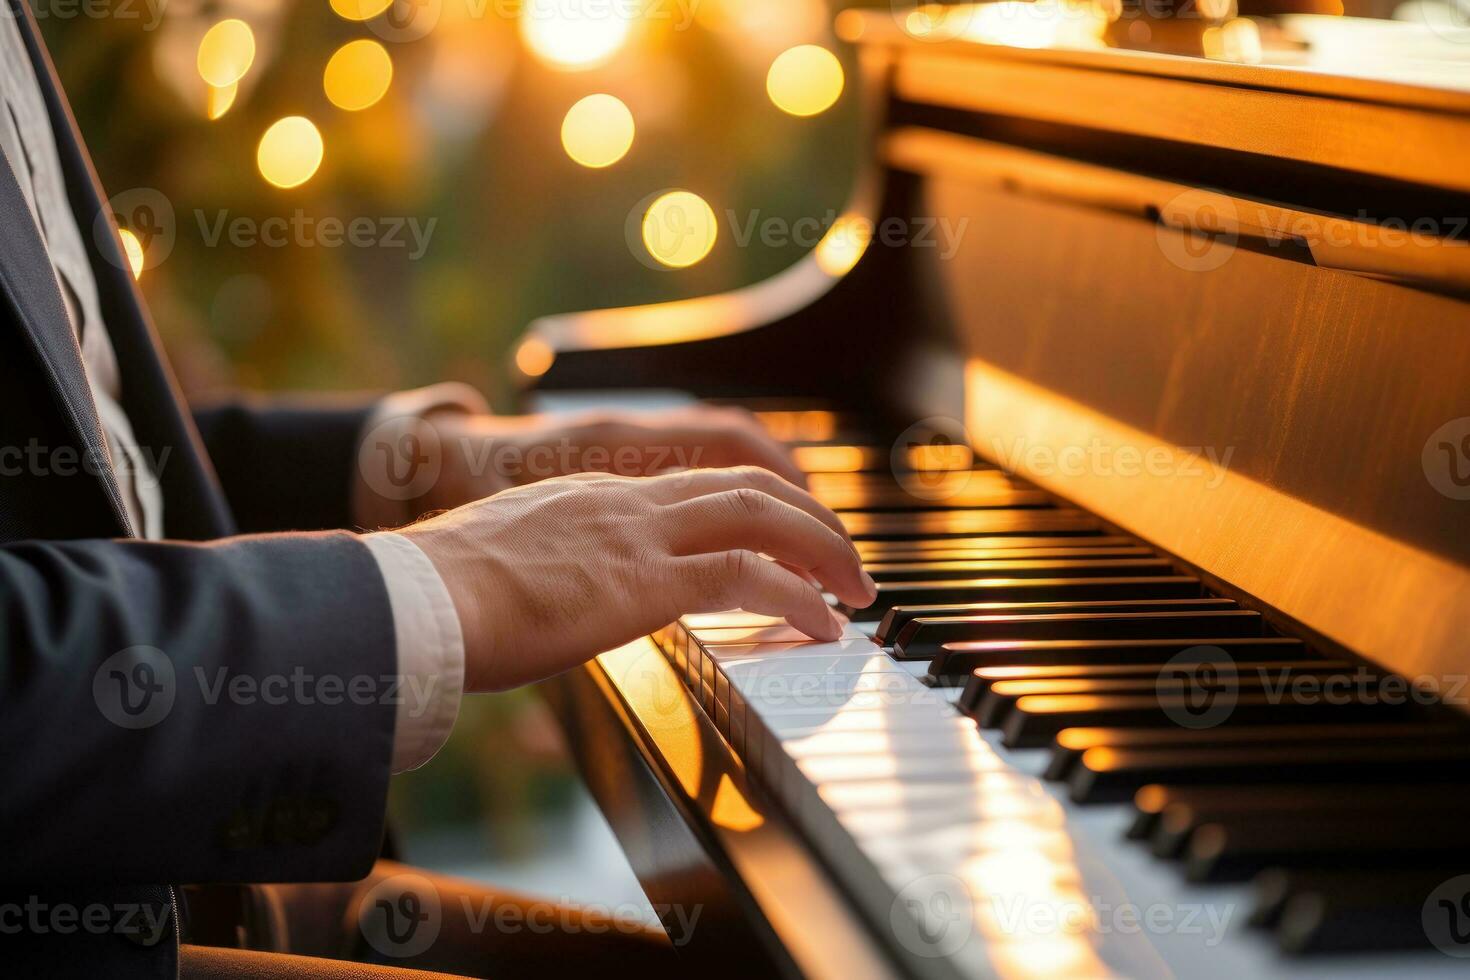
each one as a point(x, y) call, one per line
point(1033, 688)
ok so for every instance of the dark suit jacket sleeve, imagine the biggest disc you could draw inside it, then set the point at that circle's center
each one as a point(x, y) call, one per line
point(251, 743)
point(286, 465)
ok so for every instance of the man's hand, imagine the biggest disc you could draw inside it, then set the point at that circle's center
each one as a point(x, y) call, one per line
point(484, 454)
point(547, 576)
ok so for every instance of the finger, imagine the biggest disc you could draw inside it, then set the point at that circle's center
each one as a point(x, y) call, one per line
point(744, 580)
point(674, 487)
point(750, 447)
point(747, 519)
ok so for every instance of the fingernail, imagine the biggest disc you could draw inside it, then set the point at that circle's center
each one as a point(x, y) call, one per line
point(837, 626)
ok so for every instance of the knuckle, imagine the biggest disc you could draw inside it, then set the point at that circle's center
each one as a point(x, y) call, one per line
point(749, 501)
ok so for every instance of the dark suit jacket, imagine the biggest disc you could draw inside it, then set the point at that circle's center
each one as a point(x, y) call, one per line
point(107, 794)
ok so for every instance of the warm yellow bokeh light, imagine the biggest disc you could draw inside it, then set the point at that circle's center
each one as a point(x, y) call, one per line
point(290, 151)
point(805, 80)
point(844, 243)
point(534, 357)
point(134, 250)
point(225, 52)
point(597, 131)
point(679, 229)
point(218, 99)
point(357, 75)
point(360, 9)
point(574, 36)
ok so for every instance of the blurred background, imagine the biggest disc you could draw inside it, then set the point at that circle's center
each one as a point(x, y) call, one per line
point(348, 194)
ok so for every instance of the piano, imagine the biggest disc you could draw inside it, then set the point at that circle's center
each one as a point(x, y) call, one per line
point(1161, 459)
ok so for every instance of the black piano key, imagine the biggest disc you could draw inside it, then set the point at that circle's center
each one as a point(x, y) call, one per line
point(953, 495)
point(898, 617)
point(924, 638)
point(1070, 743)
point(1053, 522)
point(1345, 911)
point(998, 554)
point(978, 681)
point(928, 571)
point(892, 594)
point(992, 709)
point(960, 659)
point(1179, 821)
point(1224, 853)
point(1036, 721)
point(1151, 801)
point(879, 550)
point(1116, 774)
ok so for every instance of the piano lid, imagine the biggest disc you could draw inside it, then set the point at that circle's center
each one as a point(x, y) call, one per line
point(1392, 62)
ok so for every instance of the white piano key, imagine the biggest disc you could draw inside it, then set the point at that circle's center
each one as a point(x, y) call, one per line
point(825, 769)
point(872, 719)
point(957, 736)
point(851, 646)
point(763, 634)
point(792, 667)
point(836, 693)
point(734, 618)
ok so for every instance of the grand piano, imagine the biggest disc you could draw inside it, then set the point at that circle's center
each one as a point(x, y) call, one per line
point(1161, 458)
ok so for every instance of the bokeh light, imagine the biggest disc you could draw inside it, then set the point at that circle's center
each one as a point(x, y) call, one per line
point(360, 9)
point(226, 52)
point(290, 151)
point(805, 80)
point(134, 250)
point(357, 75)
point(597, 131)
point(219, 98)
point(574, 36)
point(679, 229)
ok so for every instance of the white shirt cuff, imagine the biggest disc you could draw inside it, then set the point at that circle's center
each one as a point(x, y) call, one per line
point(430, 648)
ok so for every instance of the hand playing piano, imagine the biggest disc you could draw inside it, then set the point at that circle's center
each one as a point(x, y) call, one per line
point(547, 576)
point(484, 454)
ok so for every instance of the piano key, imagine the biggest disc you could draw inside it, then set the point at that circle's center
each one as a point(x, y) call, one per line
point(926, 571)
point(839, 458)
point(1035, 721)
point(734, 619)
point(878, 550)
point(1152, 800)
point(1072, 742)
point(1179, 821)
point(1003, 554)
point(739, 635)
point(925, 638)
point(1116, 774)
point(1222, 852)
point(836, 692)
point(852, 648)
point(893, 622)
point(892, 594)
point(980, 679)
point(952, 494)
point(1340, 911)
point(962, 658)
point(968, 523)
point(997, 702)
point(957, 735)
